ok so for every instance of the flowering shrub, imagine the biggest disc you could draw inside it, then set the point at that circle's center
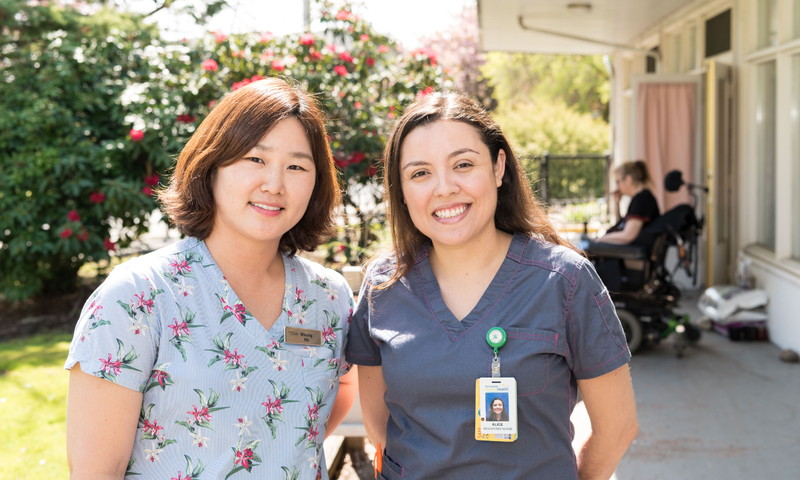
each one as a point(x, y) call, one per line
point(96, 107)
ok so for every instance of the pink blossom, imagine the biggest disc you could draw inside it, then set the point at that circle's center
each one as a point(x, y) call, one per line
point(342, 15)
point(233, 357)
point(109, 245)
point(73, 216)
point(148, 190)
point(265, 37)
point(425, 92)
point(83, 236)
point(97, 197)
point(200, 415)
point(328, 334)
point(143, 303)
point(136, 135)
point(237, 54)
point(152, 179)
point(186, 118)
point(315, 55)
point(313, 412)
point(244, 457)
point(313, 433)
point(210, 65)
point(365, 37)
point(160, 376)
point(346, 57)
point(383, 49)
point(111, 365)
point(65, 233)
point(340, 69)
point(357, 105)
point(298, 293)
point(181, 477)
point(180, 267)
point(307, 39)
point(341, 162)
point(371, 171)
point(370, 61)
point(179, 328)
point(152, 428)
point(273, 406)
point(278, 65)
point(219, 37)
point(357, 158)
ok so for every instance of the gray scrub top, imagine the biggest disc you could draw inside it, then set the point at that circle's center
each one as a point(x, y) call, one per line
point(561, 326)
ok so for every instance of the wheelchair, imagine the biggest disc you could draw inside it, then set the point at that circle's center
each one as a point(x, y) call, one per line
point(641, 283)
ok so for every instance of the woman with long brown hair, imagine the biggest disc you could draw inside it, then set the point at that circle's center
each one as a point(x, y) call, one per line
point(481, 295)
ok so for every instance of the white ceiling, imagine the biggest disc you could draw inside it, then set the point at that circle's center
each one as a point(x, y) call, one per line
point(609, 23)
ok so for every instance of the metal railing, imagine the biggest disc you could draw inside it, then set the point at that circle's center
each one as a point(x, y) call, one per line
point(570, 179)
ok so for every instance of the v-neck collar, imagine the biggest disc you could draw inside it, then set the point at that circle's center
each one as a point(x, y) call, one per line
point(252, 324)
point(454, 328)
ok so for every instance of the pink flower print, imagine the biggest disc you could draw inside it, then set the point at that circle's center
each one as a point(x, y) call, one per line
point(273, 406)
point(152, 428)
point(181, 477)
point(298, 293)
point(112, 366)
point(179, 329)
point(181, 267)
point(201, 415)
point(233, 357)
point(313, 412)
point(141, 302)
point(160, 376)
point(313, 433)
point(237, 310)
point(244, 457)
point(328, 334)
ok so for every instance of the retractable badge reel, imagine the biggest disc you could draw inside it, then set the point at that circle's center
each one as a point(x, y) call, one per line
point(496, 398)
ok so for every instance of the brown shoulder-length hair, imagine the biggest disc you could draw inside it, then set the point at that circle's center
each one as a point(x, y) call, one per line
point(232, 128)
point(516, 211)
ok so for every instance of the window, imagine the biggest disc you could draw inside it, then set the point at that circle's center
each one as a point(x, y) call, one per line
point(794, 113)
point(767, 23)
point(718, 33)
point(765, 154)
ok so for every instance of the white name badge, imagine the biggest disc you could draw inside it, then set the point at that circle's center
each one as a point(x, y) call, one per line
point(496, 409)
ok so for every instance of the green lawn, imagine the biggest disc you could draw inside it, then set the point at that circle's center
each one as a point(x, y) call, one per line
point(33, 392)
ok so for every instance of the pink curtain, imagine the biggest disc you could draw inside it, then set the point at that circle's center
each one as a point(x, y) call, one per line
point(665, 135)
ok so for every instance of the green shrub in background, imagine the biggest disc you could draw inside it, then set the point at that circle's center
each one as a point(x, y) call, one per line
point(96, 107)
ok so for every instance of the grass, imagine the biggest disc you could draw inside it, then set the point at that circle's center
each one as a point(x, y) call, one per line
point(33, 393)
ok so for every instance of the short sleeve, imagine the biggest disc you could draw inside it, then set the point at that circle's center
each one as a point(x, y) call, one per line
point(361, 348)
point(596, 339)
point(117, 333)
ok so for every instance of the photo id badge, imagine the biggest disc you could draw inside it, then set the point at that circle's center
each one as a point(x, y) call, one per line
point(496, 409)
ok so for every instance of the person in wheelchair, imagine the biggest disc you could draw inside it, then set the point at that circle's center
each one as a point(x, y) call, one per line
point(632, 179)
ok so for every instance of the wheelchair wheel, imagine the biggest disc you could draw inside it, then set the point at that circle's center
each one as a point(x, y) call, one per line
point(632, 328)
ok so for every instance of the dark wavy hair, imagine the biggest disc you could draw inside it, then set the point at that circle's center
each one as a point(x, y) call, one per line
point(637, 170)
point(232, 128)
point(516, 211)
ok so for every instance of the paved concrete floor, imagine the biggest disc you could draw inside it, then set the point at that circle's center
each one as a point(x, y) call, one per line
point(727, 410)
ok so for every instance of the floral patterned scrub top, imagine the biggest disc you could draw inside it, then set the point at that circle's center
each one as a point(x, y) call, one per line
point(223, 396)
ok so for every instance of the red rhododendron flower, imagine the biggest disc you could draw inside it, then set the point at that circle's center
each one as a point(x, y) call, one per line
point(346, 57)
point(109, 245)
point(219, 37)
point(246, 81)
point(147, 190)
point(340, 69)
point(365, 37)
point(370, 61)
point(357, 105)
point(97, 197)
point(341, 162)
point(152, 179)
point(372, 170)
point(426, 91)
point(73, 216)
point(315, 55)
point(237, 54)
point(83, 236)
point(331, 48)
point(357, 157)
point(342, 15)
point(136, 135)
point(427, 52)
point(66, 233)
point(265, 37)
point(278, 65)
point(307, 39)
point(186, 118)
point(210, 65)
point(383, 48)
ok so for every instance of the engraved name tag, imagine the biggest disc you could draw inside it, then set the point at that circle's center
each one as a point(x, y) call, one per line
point(302, 336)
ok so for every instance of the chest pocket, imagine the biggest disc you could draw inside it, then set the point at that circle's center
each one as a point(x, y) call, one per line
point(528, 356)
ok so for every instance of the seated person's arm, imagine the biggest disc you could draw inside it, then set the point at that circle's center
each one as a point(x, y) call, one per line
point(633, 226)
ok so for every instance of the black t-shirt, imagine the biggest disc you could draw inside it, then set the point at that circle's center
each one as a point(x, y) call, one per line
point(643, 207)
